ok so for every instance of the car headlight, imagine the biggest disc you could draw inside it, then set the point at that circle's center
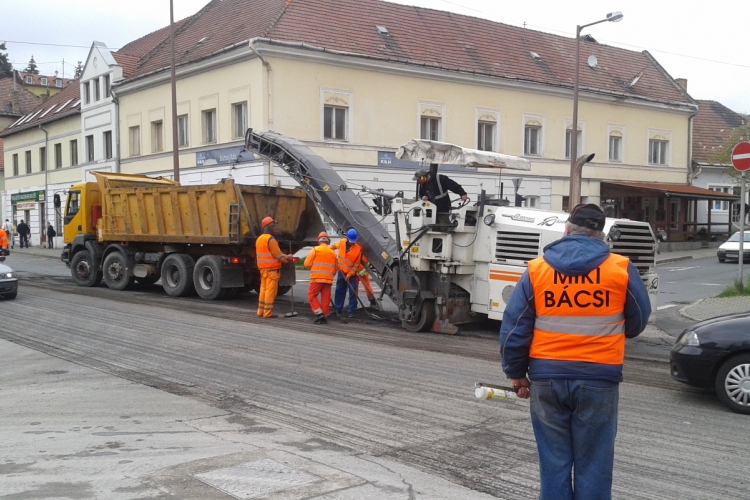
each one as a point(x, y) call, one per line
point(689, 337)
point(9, 275)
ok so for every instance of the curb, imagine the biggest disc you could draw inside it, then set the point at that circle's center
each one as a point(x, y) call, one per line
point(683, 310)
point(674, 259)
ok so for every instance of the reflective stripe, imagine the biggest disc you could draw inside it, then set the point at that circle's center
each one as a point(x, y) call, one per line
point(440, 188)
point(582, 325)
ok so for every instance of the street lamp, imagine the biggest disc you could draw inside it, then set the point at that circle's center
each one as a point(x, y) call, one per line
point(576, 164)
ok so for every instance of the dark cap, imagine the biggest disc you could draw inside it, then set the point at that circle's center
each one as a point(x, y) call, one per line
point(419, 173)
point(587, 215)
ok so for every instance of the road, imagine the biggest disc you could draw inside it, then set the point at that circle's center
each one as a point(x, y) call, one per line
point(366, 389)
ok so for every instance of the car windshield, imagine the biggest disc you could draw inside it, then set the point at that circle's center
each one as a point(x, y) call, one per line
point(736, 237)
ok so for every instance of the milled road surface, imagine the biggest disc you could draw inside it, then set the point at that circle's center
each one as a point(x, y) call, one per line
point(370, 389)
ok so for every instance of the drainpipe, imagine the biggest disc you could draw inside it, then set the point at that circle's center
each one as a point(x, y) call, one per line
point(46, 169)
point(116, 129)
point(269, 83)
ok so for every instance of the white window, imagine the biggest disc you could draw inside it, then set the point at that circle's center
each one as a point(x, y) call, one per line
point(239, 119)
point(719, 205)
point(106, 82)
point(532, 137)
point(58, 155)
point(486, 136)
point(58, 83)
point(86, 92)
point(657, 152)
point(89, 148)
point(334, 123)
point(531, 202)
point(43, 81)
point(107, 139)
point(183, 133)
point(42, 159)
point(74, 152)
point(615, 148)
point(568, 142)
point(429, 128)
point(29, 79)
point(97, 93)
point(209, 126)
point(134, 134)
point(157, 136)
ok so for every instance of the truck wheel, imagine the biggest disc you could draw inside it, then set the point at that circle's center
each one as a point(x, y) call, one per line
point(283, 289)
point(115, 272)
point(207, 277)
point(177, 274)
point(425, 319)
point(733, 384)
point(83, 271)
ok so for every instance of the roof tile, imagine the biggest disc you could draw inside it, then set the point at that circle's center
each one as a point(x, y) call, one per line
point(712, 126)
point(69, 96)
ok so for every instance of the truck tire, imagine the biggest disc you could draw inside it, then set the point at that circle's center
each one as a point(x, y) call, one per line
point(425, 320)
point(83, 270)
point(283, 289)
point(207, 277)
point(177, 274)
point(115, 270)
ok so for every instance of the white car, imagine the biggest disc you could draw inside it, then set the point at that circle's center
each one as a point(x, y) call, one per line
point(8, 281)
point(730, 249)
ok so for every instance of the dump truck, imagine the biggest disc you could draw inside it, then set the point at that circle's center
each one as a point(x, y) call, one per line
point(132, 229)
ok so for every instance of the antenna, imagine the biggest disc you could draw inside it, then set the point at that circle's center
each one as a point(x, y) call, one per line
point(593, 62)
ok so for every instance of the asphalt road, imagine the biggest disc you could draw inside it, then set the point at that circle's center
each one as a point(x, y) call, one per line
point(369, 388)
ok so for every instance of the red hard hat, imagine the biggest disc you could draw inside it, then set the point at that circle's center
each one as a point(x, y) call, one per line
point(323, 235)
point(266, 221)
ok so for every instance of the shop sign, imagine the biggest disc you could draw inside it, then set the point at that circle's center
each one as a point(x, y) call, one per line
point(27, 197)
point(26, 205)
point(223, 155)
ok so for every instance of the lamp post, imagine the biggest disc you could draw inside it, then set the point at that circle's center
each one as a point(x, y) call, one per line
point(574, 197)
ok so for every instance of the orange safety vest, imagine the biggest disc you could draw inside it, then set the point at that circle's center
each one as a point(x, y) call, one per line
point(322, 263)
point(266, 259)
point(348, 262)
point(3, 239)
point(580, 318)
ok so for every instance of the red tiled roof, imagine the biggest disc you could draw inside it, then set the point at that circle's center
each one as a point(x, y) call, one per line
point(37, 80)
point(127, 62)
point(711, 127)
point(417, 36)
point(142, 45)
point(26, 100)
point(678, 190)
point(66, 103)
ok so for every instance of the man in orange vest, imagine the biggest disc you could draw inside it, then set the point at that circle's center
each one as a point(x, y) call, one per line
point(270, 259)
point(565, 328)
point(349, 258)
point(322, 263)
point(3, 241)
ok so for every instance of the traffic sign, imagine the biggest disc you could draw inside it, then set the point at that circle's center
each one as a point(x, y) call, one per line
point(741, 156)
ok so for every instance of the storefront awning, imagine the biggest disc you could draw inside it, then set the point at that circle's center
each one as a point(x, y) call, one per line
point(672, 190)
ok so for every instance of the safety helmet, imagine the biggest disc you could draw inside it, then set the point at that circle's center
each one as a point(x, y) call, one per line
point(324, 236)
point(266, 221)
point(351, 235)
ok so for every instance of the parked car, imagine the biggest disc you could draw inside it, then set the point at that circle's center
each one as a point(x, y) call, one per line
point(730, 249)
point(716, 354)
point(8, 281)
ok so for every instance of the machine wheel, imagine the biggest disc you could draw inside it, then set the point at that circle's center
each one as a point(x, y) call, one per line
point(733, 384)
point(115, 270)
point(83, 271)
point(283, 289)
point(177, 274)
point(425, 320)
point(207, 277)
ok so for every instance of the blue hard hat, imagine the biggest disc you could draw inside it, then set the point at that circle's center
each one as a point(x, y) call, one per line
point(351, 235)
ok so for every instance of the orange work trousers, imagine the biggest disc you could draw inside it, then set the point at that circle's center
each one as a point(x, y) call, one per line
point(324, 290)
point(367, 286)
point(269, 287)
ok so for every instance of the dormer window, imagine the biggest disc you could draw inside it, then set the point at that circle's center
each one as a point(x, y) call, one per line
point(29, 80)
point(43, 81)
point(58, 83)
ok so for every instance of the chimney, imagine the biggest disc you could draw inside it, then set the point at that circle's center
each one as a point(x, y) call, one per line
point(682, 82)
point(15, 102)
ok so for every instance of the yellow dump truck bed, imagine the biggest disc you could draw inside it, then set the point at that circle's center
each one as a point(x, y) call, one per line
point(144, 209)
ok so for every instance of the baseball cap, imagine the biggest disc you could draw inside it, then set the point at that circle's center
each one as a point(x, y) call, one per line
point(420, 173)
point(587, 215)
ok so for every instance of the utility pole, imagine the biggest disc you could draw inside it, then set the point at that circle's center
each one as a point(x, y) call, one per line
point(175, 150)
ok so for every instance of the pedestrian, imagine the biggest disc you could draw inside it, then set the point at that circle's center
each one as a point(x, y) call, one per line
point(322, 263)
point(3, 242)
point(562, 343)
point(435, 189)
point(51, 233)
point(348, 260)
point(8, 228)
point(269, 259)
point(23, 233)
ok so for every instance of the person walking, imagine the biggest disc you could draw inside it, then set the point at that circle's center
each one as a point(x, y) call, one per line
point(269, 259)
point(23, 233)
point(348, 260)
point(3, 242)
point(51, 233)
point(8, 228)
point(562, 343)
point(322, 263)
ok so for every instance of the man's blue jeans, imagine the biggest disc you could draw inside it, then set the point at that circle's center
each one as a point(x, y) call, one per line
point(575, 424)
point(341, 290)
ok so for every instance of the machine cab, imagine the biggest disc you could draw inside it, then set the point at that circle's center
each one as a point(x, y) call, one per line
point(82, 211)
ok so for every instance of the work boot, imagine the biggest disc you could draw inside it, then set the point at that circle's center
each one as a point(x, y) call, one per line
point(350, 315)
point(319, 318)
point(374, 303)
point(323, 320)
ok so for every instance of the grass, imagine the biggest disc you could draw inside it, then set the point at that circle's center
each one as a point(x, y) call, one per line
point(736, 290)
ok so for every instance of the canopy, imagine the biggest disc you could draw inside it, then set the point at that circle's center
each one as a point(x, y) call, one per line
point(441, 152)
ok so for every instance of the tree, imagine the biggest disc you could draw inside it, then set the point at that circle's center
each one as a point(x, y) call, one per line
point(724, 155)
point(78, 71)
point(32, 68)
point(6, 68)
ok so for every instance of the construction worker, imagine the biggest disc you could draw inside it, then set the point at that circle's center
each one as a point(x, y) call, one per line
point(3, 241)
point(349, 261)
point(364, 276)
point(269, 261)
point(322, 263)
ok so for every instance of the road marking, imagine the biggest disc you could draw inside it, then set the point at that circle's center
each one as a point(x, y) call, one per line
point(711, 284)
point(673, 269)
point(666, 306)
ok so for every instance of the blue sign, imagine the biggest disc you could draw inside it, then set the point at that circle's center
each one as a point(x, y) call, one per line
point(222, 156)
point(387, 159)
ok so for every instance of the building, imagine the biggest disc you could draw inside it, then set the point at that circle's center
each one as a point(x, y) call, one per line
point(42, 85)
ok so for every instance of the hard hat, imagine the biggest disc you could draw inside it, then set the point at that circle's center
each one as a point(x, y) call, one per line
point(266, 221)
point(351, 235)
point(324, 236)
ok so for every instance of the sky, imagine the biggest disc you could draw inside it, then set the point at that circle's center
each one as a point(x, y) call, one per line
point(703, 41)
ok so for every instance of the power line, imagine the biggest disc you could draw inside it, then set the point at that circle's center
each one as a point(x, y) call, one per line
point(52, 44)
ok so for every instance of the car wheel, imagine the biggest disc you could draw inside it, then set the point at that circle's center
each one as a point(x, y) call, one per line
point(177, 274)
point(721, 261)
point(83, 271)
point(733, 384)
point(115, 270)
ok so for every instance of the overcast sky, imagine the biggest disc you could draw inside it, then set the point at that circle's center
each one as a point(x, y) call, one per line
point(703, 41)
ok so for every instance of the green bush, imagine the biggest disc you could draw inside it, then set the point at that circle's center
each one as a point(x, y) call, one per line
point(736, 290)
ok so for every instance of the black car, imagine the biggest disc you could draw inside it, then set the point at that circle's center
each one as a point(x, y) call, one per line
point(716, 354)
